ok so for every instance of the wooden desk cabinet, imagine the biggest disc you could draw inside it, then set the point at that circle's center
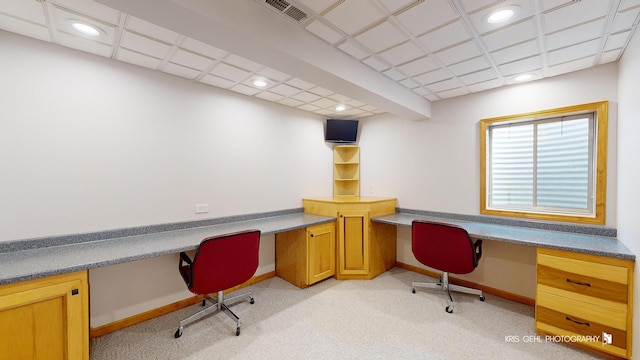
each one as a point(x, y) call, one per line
point(364, 249)
point(585, 297)
point(45, 318)
point(306, 256)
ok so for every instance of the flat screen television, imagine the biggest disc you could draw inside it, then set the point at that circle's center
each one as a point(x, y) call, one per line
point(341, 131)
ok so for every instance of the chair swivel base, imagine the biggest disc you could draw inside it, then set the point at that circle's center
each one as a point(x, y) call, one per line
point(443, 284)
point(219, 304)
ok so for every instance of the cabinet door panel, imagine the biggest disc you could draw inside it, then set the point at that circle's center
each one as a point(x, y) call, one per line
point(322, 255)
point(354, 242)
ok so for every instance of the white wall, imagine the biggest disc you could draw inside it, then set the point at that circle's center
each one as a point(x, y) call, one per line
point(629, 165)
point(89, 144)
point(434, 164)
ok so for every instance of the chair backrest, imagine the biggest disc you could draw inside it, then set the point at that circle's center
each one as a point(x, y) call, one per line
point(224, 261)
point(445, 247)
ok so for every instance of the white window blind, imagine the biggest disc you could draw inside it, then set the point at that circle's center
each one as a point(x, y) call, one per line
point(542, 165)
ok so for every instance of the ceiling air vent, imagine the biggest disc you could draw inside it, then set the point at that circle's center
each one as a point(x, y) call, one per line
point(286, 8)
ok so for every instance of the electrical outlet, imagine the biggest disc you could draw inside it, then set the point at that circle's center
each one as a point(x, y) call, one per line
point(202, 208)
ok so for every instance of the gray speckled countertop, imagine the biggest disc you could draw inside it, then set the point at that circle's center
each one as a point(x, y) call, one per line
point(561, 240)
point(31, 263)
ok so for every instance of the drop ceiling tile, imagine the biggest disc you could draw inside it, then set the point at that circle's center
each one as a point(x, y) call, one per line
point(427, 16)
point(459, 53)
point(229, 72)
point(270, 73)
point(306, 97)
point(510, 35)
point(625, 19)
point(521, 66)
point(448, 84)
point(217, 81)
point(135, 58)
point(479, 76)
point(26, 10)
point(610, 56)
point(291, 102)
point(308, 107)
point(324, 112)
point(446, 94)
point(83, 44)
point(192, 60)
point(419, 66)
point(180, 70)
point(342, 16)
point(625, 4)
point(202, 48)
point(394, 74)
point(391, 6)
point(91, 8)
point(299, 83)
point(422, 91)
point(320, 91)
point(369, 108)
point(402, 53)
point(572, 52)
point(473, 5)
point(140, 26)
point(63, 20)
point(570, 66)
point(431, 97)
point(469, 66)
point(574, 14)
point(432, 77)
point(353, 49)
point(491, 84)
point(381, 37)
point(340, 98)
point(317, 5)
point(284, 90)
point(355, 103)
point(520, 51)
point(244, 89)
point(409, 83)
point(576, 34)
point(445, 36)
point(376, 63)
point(324, 31)
point(144, 45)
point(615, 41)
point(242, 63)
point(25, 28)
point(325, 103)
point(267, 95)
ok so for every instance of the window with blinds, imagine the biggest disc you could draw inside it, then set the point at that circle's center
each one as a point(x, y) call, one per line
point(545, 166)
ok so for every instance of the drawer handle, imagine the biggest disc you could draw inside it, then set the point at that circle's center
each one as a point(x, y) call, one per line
point(578, 283)
point(577, 322)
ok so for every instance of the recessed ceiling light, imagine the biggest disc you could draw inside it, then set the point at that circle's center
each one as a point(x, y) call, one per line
point(260, 82)
point(503, 14)
point(85, 28)
point(524, 77)
point(341, 108)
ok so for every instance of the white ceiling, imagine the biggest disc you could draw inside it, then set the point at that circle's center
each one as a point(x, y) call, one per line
point(374, 56)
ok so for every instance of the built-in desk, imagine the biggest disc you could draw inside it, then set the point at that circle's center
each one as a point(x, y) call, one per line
point(584, 279)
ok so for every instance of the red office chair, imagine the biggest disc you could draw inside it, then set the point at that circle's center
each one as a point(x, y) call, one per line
point(448, 248)
point(220, 263)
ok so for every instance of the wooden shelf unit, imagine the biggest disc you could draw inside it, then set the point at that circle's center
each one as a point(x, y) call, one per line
point(346, 170)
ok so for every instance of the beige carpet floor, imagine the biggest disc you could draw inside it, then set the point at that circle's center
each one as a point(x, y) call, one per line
point(376, 319)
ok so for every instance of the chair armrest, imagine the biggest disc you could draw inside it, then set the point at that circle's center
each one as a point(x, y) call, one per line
point(184, 257)
point(477, 252)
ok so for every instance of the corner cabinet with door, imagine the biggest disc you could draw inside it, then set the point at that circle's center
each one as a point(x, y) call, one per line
point(364, 249)
point(307, 255)
point(45, 318)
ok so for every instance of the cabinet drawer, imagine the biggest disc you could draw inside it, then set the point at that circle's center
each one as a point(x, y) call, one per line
point(582, 284)
point(602, 312)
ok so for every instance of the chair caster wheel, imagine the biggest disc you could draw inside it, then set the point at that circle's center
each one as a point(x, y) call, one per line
point(251, 301)
point(237, 331)
point(413, 290)
point(482, 297)
point(449, 309)
point(178, 333)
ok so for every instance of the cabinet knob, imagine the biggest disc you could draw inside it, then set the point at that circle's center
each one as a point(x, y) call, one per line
point(312, 235)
